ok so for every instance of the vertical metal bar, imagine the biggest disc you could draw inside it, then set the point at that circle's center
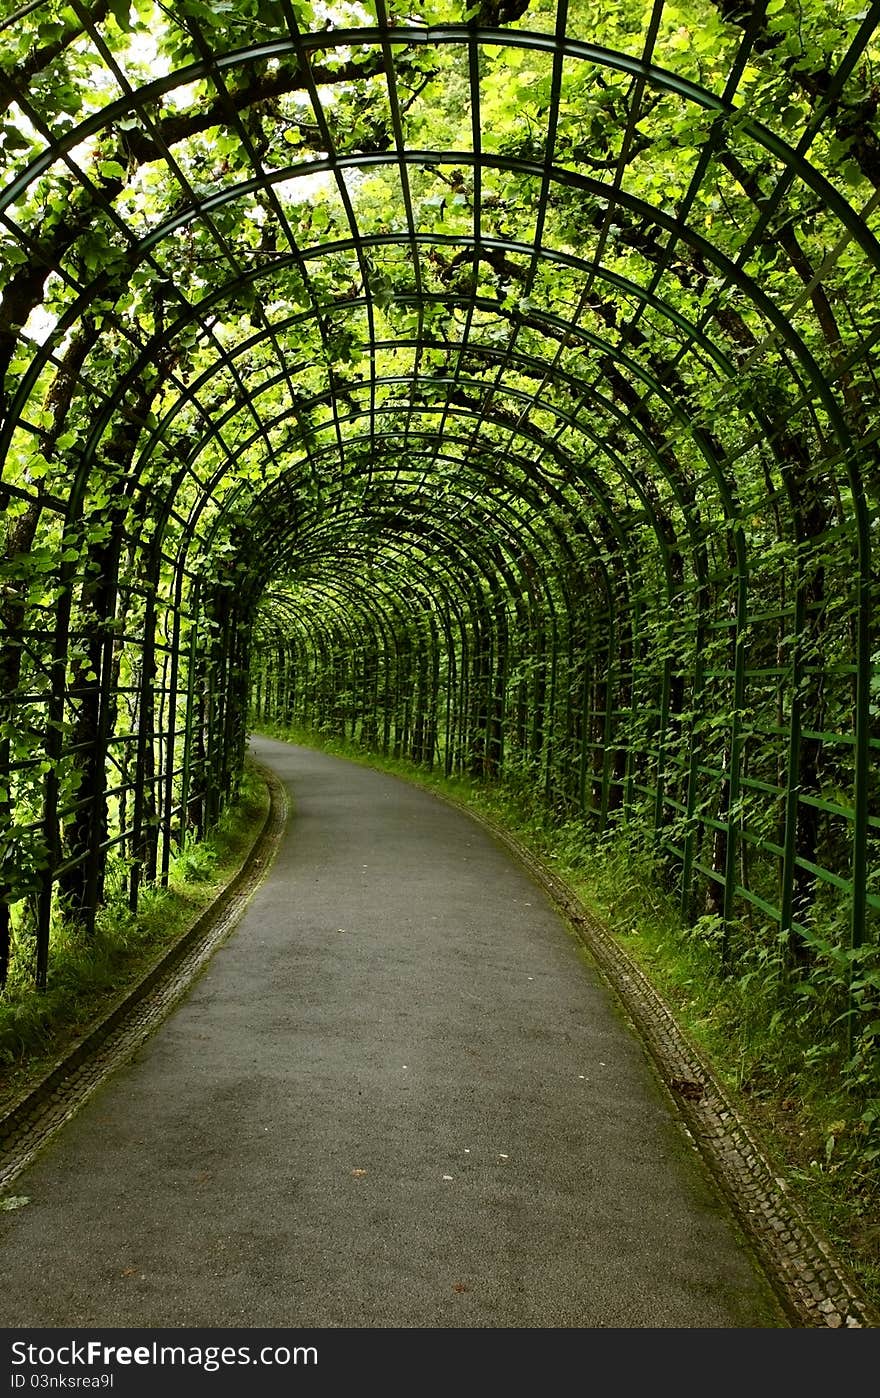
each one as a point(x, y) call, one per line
point(171, 760)
point(586, 686)
point(163, 755)
point(53, 744)
point(865, 583)
point(736, 742)
point(550, 711)
point(630, 764)
point(102, 738)
point(607, 732)
point(186, 763)
point(792, 790)
point(144, 734)
point(693, 759)
point(660, 782)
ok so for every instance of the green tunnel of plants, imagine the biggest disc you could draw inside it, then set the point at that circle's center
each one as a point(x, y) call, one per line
point(493, 386)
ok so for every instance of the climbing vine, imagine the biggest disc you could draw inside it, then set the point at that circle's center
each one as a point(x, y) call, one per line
point(491, 385)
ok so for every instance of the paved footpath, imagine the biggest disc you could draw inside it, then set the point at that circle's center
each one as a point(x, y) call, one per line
point(398, 1096)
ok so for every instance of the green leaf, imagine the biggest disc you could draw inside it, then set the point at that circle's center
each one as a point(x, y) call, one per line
point(121, 11)
point(14, 140)
point(111, 170)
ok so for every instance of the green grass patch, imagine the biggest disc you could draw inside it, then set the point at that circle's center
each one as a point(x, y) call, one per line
point(772, 1034)
point(87, 975)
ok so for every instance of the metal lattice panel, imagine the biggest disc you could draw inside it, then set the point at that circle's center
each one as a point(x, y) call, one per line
point(512, 375)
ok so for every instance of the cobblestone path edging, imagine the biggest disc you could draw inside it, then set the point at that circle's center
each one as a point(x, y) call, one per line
point(810, 1279)
point(31, 1121)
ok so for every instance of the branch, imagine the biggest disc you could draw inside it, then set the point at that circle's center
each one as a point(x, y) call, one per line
point(17, 79)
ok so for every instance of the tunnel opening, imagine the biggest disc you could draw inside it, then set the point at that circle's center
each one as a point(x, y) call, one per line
point(495, 393)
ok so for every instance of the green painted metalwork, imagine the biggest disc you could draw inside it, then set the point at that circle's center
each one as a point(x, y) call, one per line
point(491, 448)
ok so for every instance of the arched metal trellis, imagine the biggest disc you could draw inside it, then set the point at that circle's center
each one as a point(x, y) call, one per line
point(499, 394)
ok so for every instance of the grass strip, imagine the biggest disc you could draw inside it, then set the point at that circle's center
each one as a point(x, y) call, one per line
point(88, 974)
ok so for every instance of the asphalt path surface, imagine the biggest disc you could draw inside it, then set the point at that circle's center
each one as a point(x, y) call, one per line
point(399, 1096)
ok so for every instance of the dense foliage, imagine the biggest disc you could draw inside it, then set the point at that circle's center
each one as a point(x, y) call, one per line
point(506, 370)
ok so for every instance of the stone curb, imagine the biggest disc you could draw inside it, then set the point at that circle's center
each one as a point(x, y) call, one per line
point(35, 1117)
point(811, 1281)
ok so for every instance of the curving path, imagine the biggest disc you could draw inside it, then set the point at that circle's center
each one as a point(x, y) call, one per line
point(398, 1096)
